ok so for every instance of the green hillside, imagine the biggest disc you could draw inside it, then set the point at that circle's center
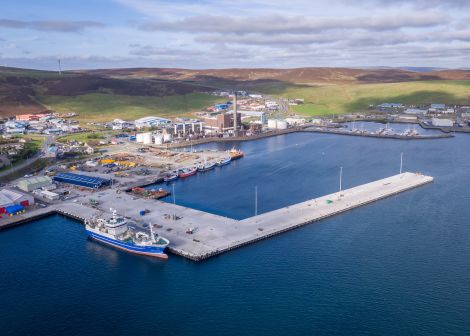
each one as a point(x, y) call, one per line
point(100, 107)
point(336, 99)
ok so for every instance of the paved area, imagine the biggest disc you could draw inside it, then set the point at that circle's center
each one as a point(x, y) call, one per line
point(198, 235)
point(213, 234)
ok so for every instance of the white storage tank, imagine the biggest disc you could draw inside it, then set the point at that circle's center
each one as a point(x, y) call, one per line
point(272, 123)
point(139, 137)
point(158, 139)
point(281, 124)
point(147, 138)
point(167, 137)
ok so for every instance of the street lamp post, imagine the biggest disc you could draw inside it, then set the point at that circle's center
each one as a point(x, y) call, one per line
point(340, 179)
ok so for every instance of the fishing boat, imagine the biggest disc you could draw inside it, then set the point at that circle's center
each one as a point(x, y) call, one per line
point(170, 177)
point(206, 166)
point(223, 161)
point(115, 232)
point(185, 172)
point(235, 154)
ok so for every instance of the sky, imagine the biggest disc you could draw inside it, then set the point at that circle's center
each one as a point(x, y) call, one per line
point(90, 34)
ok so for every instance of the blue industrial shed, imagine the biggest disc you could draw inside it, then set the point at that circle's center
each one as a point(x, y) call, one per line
point(82, 180)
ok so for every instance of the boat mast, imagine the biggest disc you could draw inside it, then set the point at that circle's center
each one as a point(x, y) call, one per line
point(401, 162)
point(340, 179)
point(152, 236)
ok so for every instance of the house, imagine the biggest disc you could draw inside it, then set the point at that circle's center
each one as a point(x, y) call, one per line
point(26, 117)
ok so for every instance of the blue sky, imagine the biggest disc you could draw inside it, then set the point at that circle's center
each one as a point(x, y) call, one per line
point(218, 34)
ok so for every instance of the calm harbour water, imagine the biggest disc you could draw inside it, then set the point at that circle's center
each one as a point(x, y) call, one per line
point(398, 266)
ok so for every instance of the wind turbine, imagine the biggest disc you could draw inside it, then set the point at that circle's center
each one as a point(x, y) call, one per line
point(60, 70)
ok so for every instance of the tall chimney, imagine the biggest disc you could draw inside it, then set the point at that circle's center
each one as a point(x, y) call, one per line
point(235, 126)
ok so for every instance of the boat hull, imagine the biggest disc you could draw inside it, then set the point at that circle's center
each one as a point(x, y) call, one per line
point(220, 164)
point(151, 251)
point(171, 178)
point(236, 156)
point(191, 173)
point(204, 169)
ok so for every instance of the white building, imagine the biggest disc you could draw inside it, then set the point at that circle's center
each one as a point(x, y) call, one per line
point(408, 118)
point(9, 197)
point(188, 127)
point(277, 124)
point(415, 111)
point(295, 121)
point(15, 130)
point(151, 122)
point(49, 195)
point(442, 122)
point(119, 124)
point(258, 114)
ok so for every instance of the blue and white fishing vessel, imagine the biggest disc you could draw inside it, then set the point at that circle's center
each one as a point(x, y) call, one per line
point(116, 233)
point(223, 161)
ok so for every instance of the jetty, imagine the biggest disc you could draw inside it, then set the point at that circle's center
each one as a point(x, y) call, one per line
point(198, 235)
point(396, 136)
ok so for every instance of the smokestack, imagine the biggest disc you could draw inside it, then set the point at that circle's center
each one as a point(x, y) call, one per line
point(235, 126)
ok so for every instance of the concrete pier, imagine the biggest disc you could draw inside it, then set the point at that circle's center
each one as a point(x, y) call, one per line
point(198, 235)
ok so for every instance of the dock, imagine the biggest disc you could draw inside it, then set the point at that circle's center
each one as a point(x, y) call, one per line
point(198, 235)
point(376, 135)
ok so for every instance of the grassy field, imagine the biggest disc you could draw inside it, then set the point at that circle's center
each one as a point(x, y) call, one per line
point(85, 137)
point(337, 99)
point(99, 107)
point(30, 169)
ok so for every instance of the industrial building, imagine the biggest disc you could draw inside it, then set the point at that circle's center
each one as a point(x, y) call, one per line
point(442, 122)
point(295, 121)
point(33, 183)
point(277, 124)
point(10, 198)
point(415, 111)
point(189, 127)
point(256, 114)
point(151, 122)
point(82, 180)
point(222, 122)
point(49, 195)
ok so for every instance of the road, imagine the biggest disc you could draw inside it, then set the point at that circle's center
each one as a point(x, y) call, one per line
point(42, 153)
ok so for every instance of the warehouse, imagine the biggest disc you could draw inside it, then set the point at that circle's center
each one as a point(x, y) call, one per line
point(82, 180)
point(442, 122)
point(9, 198)
point(151, 122)
point(34, 183)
